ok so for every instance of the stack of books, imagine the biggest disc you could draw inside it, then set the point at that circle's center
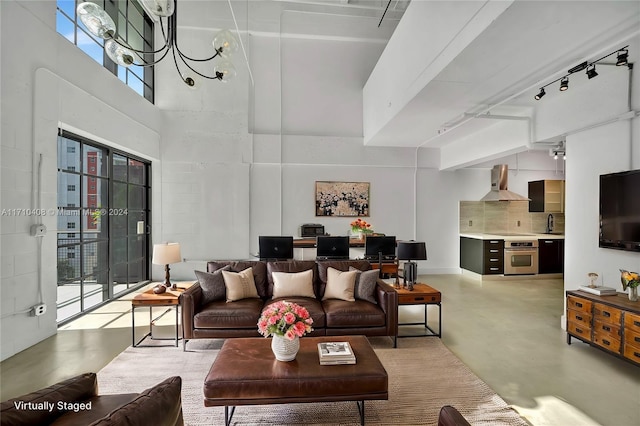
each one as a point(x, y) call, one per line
point(334, 353)
point(600, 291)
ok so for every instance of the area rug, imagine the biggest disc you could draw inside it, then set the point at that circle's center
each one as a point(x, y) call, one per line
point(423, 376)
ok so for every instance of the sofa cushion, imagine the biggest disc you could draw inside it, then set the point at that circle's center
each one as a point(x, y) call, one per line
point(340, 285)
point(240, 285)
point(292, 266)
point(312, 305)
point(259, 272)
point(340, 265)
point(222, 315)
point(286, 284)
point(100, 407)
point(366, 282)
point(78, 388)
point(159, 405)
point(212, 285)
point(358, 314)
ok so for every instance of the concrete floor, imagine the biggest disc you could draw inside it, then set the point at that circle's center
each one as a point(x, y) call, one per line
point(507, 332)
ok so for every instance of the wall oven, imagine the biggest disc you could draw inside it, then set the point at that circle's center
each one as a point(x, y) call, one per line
point(521, 257)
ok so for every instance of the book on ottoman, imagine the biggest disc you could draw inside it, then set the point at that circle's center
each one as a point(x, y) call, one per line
point(334, 353)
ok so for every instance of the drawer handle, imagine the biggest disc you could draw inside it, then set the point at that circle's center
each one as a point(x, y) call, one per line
point(419, 298)
point(606, 342)
point(579, 305)
point(493, 251)
point(636, 339)
point(548, 242)
point(606, 328)
point(579, 330)
point(433, 299)
point(606, 314)
point(493, 242)
point(578, 317)
point(636, 323)
point(636, 354)
point(494, 260)
point(493, 269)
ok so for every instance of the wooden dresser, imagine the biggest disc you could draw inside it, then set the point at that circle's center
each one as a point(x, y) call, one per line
point(611, 323)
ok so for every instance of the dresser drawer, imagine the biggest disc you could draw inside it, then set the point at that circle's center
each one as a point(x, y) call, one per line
point(632, 353)
point(579, 330)
point(605, 328)
point(579, 317)
point(631, 321)
point(578, 304)
point(606, 313)
point(632, 338)
point(418, 299)
point(606, 341)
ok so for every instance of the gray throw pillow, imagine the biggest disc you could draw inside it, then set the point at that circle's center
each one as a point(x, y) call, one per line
point(365, 284)
point(212, 285)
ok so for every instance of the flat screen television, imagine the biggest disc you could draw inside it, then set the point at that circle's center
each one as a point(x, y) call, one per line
point(275, 248)
point(330, 247)
point(375, 244)
point(620, 210)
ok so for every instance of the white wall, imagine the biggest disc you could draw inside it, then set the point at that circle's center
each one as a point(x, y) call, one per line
point(52, 87)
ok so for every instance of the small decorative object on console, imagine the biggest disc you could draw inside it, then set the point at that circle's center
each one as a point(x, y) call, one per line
point(631, 280)
point(286, 322)
point(593, 277)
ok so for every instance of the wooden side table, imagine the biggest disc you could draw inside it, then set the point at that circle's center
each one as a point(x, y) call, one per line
point(422, 294)
point(170, 299)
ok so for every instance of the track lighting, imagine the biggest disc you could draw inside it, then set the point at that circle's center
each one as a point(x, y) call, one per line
point(623, 59)
point(623, 55)
point(564, 84)
point(591, 71)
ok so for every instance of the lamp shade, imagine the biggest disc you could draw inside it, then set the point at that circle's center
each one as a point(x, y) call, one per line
point(166, 253)
point(412, 250)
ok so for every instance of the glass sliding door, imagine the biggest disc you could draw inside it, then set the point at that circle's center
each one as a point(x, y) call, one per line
point(102, 224)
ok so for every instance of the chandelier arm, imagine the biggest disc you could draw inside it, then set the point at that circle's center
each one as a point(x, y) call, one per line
point(182, 58)
point(150, 64)
point(145, 52)
point(195, 59)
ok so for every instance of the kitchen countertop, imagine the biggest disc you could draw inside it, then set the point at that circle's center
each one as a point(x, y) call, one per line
point(511, 237)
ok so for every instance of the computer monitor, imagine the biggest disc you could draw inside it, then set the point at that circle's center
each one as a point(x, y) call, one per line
point(275, 248)
point(332, 247)
point(376, 244)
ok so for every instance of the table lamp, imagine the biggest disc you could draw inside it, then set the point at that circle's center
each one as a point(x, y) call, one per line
point(166, 254)
point(411, 250)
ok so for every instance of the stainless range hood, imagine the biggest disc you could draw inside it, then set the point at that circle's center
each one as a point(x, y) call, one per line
point(499, 186)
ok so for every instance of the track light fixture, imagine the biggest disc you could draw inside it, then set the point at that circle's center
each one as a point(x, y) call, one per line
point(100, 24)
point(591, 71)
point(564, 84)
point(622, 59)
point(623, 55)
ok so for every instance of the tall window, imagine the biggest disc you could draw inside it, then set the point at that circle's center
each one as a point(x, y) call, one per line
point(103, 241)
point(133, 25)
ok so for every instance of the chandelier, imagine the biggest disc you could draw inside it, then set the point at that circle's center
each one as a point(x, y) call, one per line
point(100, 24)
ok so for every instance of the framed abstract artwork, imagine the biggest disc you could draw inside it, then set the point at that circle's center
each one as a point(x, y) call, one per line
point(347, 199)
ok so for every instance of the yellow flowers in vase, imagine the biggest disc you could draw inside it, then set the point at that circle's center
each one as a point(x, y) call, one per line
point(631, 280)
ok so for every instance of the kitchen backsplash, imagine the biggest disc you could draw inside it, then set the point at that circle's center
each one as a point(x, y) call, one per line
point(505, 216)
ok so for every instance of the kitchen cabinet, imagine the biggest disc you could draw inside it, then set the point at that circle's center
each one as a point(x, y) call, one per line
point(485, 257)
point(550, 256)
point(546, 196)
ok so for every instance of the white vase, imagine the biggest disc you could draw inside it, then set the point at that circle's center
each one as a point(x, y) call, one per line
point(357, 234)
point(633, 294)
point(285, 349)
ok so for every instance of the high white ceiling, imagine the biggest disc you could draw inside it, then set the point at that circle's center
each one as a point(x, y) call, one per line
point(528, 45)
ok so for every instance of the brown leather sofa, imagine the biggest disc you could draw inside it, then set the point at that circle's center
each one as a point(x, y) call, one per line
point(449, 416)
point(76, 402)
point(331, 317)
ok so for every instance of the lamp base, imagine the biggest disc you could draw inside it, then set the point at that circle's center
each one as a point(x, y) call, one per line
point(410, 274)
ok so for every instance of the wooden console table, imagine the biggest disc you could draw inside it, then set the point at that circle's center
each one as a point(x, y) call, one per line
point(611, 323)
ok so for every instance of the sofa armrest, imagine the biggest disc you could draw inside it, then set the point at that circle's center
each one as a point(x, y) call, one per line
point(388, 300)
point(191, 303)
point(449, 416)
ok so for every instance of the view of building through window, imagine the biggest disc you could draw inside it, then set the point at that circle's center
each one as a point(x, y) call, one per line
point(134, 26)
point(103, 213)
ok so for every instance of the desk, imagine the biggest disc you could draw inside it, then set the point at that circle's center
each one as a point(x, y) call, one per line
point(422, 294)
point(170, 299)
point(390, 268)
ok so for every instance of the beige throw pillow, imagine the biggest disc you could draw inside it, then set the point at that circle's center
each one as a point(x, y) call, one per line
point(240, 285)
point(294, 284)
point(340, 285)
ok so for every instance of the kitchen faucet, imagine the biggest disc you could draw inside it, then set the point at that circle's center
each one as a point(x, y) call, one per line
point(549, 223)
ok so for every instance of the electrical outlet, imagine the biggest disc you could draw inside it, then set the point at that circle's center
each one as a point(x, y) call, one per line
point(38, 230)
point(470, 223)
point(39, 309)
point(517, 223)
